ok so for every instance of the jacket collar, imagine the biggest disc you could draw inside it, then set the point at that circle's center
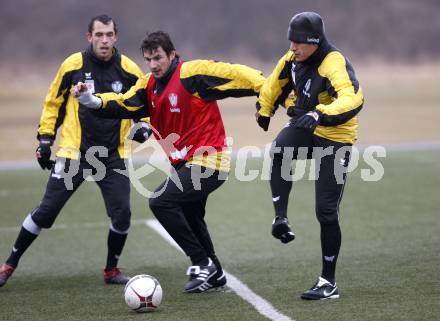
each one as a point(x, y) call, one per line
point(96, 60)
point(163, 81)
point(316, 58)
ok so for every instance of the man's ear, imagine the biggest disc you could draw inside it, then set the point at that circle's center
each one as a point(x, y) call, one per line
point(172, 54)
point(89, 37)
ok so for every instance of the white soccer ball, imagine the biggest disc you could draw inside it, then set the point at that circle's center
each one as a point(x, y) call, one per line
point(143, 293)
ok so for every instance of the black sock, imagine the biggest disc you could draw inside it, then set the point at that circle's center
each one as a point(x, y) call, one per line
point(23, 241)
point(115, 244)
point(218, 265)
point(199, 260)
point(280, 186)
point(330, 244)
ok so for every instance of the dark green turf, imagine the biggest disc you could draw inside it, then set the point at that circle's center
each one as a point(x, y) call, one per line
point(387, 270)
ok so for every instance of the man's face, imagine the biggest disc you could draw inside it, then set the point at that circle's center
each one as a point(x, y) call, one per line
point(102, 38)
point(302, 51)
point(158, 61)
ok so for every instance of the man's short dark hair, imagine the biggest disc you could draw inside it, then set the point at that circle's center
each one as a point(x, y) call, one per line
point(104, 19)
point(157, 39)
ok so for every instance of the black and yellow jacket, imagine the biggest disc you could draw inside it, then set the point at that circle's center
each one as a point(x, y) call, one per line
point(81, 127)
point(325, 81)
point(204, 79)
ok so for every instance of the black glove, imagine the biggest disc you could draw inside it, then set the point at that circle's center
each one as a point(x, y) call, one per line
point(140, 134)
point(43, 153)
point(309, 121)
point(263, 121)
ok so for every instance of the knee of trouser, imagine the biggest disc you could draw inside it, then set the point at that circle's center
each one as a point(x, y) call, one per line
point(44, 216)
point(327, 215)
point(121, 220)
point(159, 203)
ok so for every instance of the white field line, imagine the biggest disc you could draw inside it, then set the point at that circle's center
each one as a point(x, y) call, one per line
point(71, 226)
point(241, 289)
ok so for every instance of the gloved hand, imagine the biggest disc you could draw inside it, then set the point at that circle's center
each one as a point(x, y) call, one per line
point(142, 133)
point(309, 121)
point(85, 97)
point(43, 153)
point(263, 121)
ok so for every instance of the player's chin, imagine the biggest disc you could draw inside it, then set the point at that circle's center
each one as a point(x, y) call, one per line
point(104, 52)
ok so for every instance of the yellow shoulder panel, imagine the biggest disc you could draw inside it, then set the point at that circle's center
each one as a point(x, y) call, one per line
point(73, 62)
point(130, 66)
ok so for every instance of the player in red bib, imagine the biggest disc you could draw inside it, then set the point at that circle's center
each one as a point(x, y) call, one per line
point(180, 99)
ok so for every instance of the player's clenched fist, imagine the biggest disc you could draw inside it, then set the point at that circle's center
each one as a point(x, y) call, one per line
point(78, 89)
point(85, 97)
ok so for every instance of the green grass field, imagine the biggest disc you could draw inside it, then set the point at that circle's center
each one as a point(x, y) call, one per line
point(388, 266)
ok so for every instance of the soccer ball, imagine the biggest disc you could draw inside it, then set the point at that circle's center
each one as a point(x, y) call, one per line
point(143, 293)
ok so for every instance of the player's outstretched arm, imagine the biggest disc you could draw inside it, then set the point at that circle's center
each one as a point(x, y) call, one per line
point(130, 105)
point(213, 80)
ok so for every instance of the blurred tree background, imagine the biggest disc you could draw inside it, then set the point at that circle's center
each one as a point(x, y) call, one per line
point(393, 45)
point(391, 30)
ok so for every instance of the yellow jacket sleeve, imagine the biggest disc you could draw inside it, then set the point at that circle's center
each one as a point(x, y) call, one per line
point(277, 87)
point(212, 80)
point(57, 96)
point(349, 98)
point(130, 66)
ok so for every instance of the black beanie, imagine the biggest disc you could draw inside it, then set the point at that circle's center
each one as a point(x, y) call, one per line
point(306, 27)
